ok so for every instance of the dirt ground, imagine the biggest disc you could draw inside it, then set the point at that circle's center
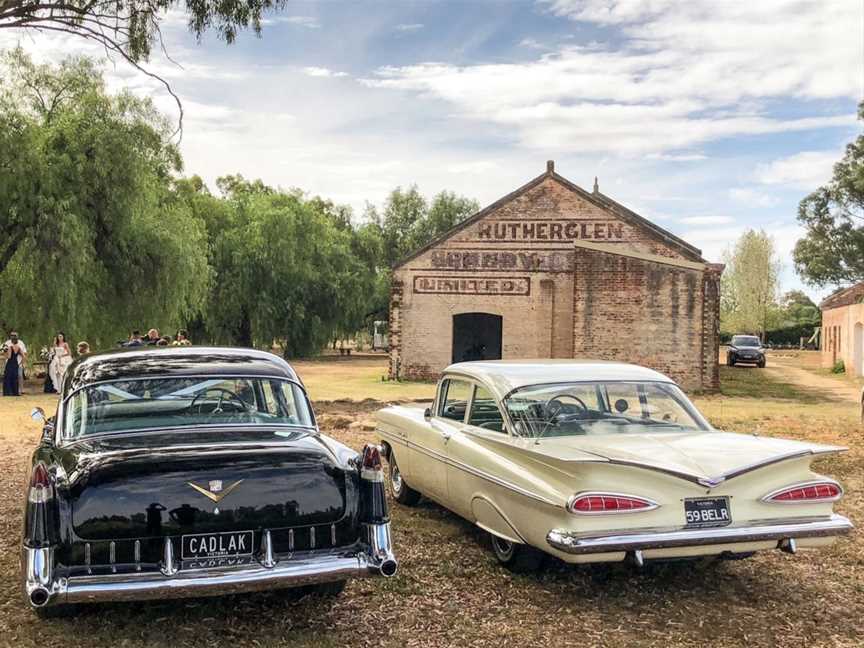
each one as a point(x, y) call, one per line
point(449, 590)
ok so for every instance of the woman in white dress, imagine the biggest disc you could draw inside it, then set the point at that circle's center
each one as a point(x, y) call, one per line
point(60, 361)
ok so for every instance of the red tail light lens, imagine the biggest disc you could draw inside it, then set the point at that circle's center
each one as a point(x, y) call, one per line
point(370, 463)
point(40, 485)
point(592, 503)
point(815, 492)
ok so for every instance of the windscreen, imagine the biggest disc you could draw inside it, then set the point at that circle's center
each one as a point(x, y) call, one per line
point(583, 408)
point(746, 341)
point(126, 405)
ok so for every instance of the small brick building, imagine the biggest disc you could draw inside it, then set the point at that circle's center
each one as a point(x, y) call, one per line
point(554, 271)
point(843, 329)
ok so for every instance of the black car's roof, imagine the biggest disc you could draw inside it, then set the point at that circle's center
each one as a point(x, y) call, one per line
point(141, 362)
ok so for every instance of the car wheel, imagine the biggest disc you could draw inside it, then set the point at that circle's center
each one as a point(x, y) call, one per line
point(761, 364)
point(514, 556)
point(401, 491)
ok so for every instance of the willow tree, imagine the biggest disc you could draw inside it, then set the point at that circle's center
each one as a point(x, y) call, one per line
point(95, 239)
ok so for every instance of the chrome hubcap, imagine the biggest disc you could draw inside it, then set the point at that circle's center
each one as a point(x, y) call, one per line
point(503, 548)
point(395, 478)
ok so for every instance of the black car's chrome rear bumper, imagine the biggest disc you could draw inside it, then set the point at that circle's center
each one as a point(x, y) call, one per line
point(267, 571)
point(782, 531)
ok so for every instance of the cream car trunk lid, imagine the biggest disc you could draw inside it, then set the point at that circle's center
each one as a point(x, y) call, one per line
point(707, 458)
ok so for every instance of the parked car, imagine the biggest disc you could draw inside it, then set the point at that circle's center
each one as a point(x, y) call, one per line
point(602, 462)
point(745, 349)
point(190, 471)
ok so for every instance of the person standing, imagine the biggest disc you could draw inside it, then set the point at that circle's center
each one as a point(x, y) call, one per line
point(152, 337)
point(14, 361)
point(60, 361)
point(135, 339)
point(23, 357)
point(83, 348)
point(182, 338)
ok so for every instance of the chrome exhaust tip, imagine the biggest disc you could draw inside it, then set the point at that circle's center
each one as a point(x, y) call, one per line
point(39, 597)
point(388, 567)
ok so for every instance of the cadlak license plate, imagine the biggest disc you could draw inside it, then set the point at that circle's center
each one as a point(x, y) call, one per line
point(218, 545)
point(707, 511)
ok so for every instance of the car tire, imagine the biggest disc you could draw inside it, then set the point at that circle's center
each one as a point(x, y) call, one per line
point(516, 557)
point(761, 364)
point(399, 488)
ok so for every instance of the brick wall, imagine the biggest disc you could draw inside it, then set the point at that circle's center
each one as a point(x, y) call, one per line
point(843, 337)
point(522, 260)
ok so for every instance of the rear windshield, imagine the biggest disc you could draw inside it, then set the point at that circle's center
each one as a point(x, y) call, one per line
point(152, 403)
point(590, 408)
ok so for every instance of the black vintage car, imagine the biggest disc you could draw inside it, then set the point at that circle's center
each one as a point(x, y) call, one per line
point(190, 472)
point(745, 349)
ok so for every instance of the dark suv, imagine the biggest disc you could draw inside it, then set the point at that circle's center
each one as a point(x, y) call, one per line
point(745, 349)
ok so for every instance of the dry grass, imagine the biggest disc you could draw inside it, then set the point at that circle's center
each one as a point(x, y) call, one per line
point(449, 591)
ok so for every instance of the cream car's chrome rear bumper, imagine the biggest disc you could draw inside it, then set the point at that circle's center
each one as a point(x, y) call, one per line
point(782, 531)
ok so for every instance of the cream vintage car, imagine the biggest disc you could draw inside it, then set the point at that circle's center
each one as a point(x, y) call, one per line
point(600, 462)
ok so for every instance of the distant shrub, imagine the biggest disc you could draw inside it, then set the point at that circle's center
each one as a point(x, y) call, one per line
point(839, 367)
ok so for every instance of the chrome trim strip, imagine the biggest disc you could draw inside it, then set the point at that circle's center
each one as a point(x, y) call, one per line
point(813, 482)
point(312, 537)
point(87, 557)
point(573, 542)
point(651, 503)
point(291, 540)
point(286, 571)
point(477, 473)
point(137, 555)
point(112, 555)
point(333, 535)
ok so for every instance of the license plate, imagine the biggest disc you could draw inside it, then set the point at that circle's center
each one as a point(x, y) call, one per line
point(217, 545)
point(707, 511)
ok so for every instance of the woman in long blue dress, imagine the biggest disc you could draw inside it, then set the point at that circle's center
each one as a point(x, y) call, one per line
point(11, 387)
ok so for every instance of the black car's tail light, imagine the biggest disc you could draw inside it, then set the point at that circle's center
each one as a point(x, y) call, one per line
point(40, 508)
point(373, 499)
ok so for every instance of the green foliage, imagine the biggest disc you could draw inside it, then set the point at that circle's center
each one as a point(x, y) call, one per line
point(132, 26)
point(749, 285)
point(95, 240)
point(839, 367)
point(832, 250)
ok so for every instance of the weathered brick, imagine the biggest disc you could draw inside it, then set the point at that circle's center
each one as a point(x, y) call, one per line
point(572, 274)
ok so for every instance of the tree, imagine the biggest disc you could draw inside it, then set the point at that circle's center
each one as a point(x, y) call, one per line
point(749, 285)
point(799, 310)
point(832, 251)
point(95, 239)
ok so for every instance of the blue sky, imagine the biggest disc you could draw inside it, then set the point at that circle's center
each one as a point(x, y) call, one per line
point(706, 117)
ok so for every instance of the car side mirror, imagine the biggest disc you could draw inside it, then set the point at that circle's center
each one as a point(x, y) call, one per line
point(38, 415)
point(427, 413)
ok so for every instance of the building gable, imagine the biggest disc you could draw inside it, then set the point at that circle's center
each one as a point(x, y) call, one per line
point(537, 225)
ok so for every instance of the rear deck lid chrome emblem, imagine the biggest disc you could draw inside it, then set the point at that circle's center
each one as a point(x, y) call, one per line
point(215, 493)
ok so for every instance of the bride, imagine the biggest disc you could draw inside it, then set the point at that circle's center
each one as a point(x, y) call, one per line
point(62, 358)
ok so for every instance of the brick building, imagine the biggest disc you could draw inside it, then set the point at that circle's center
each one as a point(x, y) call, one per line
point(554, 271)
point(843, 329)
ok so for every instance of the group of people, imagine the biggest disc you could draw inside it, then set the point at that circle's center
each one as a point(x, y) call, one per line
point(59, 356)
point(154, 339)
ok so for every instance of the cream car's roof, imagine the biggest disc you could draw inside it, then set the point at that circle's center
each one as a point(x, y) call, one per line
point(506, 375)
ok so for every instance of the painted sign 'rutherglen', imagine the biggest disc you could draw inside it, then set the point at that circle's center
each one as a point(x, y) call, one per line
point(559, 230)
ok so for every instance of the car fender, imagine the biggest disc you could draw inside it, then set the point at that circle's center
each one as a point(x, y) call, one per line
point(490, 518)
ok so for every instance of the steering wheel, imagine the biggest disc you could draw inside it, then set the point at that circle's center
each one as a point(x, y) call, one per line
point(223, 392)
point(554, 407)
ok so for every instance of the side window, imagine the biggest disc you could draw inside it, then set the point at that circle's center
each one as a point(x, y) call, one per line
point(455, 395)
point(484, 411)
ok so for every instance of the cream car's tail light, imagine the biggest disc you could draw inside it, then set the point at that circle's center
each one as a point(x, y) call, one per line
point(595, 503)
point(822, 491)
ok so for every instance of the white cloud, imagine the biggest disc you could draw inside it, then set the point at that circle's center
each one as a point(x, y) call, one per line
point(706, 220)
point(322, 72)
point(805, 170)
point(475, 167)
point(753, 197)
point(531, 43)
point(409, 27)
point(309, 22)
point(689, 74)
point(676, 157)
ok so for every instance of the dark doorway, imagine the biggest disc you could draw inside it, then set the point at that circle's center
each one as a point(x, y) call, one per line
point(476, 336)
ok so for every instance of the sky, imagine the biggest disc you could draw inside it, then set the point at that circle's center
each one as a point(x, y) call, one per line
point(706, 117)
